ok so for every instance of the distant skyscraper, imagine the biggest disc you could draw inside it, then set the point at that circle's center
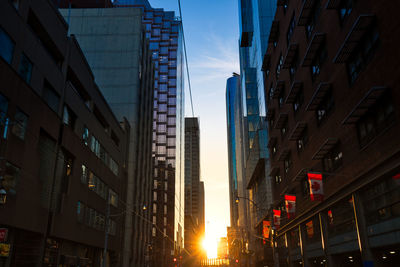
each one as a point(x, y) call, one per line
point(202, 217)
point(192, 185)
point(124, 71)
point(235, 120)
point(164, 31)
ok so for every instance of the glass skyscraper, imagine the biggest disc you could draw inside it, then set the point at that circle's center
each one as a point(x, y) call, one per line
point(164, 31)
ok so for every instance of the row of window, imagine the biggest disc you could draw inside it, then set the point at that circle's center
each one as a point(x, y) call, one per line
point(98, 149)
point(94, 218)
point(95, 184)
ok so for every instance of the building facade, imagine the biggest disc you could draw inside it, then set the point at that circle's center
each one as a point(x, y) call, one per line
point(113, 41)
point(164, 31)
point(333, 110)
point(193, 213)
point(63, 151)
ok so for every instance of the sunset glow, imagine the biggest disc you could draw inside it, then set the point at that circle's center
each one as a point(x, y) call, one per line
point(214, 231)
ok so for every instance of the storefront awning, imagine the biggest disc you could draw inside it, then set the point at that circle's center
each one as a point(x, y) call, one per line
point(365, 103)
point(290, 55)
point(298, 131)
point(283, 117)
point(360, 27)
point(296, 87)
point(322, 90)
point(316, 41)
point(306, 12)
point(274, 32)
point(325, 148)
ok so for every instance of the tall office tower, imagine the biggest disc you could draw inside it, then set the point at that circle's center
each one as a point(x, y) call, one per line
point(113, 42)
point(192, 185)
point(235, 122)
point(255, 19)
point(164, 31)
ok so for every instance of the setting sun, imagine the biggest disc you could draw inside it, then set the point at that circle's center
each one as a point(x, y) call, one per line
point(214, 231)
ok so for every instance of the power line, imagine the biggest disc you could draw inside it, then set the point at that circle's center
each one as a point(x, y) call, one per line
point(186, 60)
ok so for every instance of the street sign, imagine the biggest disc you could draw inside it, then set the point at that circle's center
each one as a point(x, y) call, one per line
point(3, 234)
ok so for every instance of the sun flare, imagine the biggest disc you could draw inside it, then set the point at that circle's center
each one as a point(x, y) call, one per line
point(214, 231)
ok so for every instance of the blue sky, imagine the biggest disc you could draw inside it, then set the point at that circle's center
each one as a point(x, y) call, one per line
point(211, 32)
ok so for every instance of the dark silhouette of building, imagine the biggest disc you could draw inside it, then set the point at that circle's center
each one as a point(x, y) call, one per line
point(333, 102)
point(63, 152)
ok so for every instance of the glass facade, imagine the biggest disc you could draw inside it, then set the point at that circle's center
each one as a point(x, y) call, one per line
point(163, 30)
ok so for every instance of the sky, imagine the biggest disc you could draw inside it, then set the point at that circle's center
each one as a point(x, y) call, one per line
point(211, 31)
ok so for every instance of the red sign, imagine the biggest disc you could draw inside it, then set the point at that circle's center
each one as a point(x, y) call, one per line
point(3, 234)
point(290, 204)
point(316, 186)
point(277, 218)
point(266, 228)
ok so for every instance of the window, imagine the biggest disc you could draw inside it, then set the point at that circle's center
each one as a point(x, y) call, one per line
point(278, 178)
point(69, 117)
point(287, 163)
point(80, 211)
point(325, 107)
point(312, 21)
point(6, 46)
point(20, 124)
point(312, 230)
point(344, 9)
point(363, 53)
point(113, 198)
point(290, 30)
point(298, 101)
point(302, 141)
point(154, 208)
point(284, 129)
point(10, 178)
point(333, 159)
point(85, 135)
point(51, 97)
point(341, 218)
point(25, 68)
point(271, 92)
point(274, 150)
point(318, 61)
point(381, 200)
point(281, 98)
point(279, 66)
point(84, 175)
point(378, 118)
point(293, 66)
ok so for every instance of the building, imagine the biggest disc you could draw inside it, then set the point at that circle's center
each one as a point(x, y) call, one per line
point(164, 30)
point(113, 41)
point(255, 20)
point(193, 213)
point(202, 217)
point(234, 116)
point(223, 248)
point(63, 151)
point(333, 110)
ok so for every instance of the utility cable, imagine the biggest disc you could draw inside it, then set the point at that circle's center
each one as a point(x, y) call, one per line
point(186, 60)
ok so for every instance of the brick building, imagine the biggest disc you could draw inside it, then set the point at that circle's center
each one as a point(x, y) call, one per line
point(63, 152)
point(333, 98)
